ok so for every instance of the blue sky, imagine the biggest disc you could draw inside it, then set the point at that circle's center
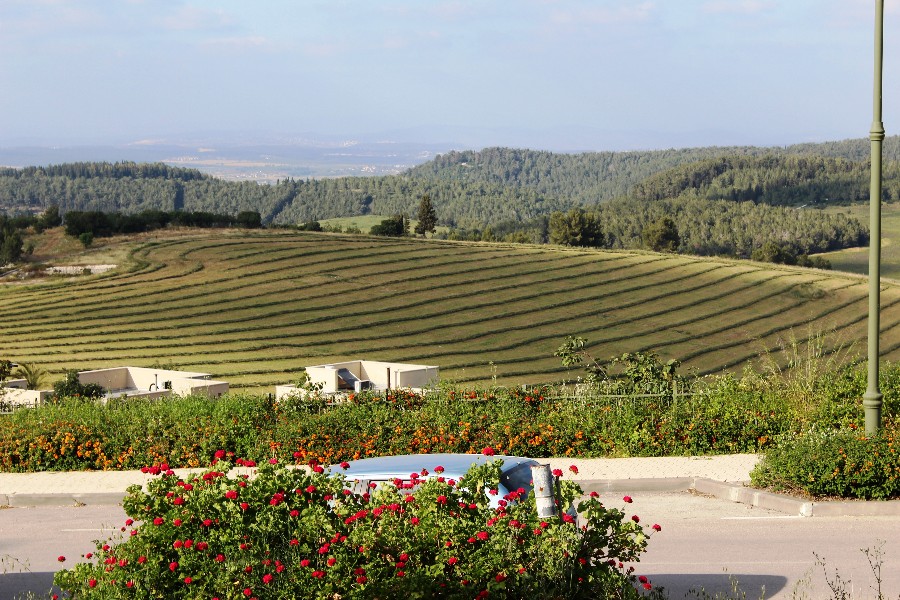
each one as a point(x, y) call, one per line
point(546, 74)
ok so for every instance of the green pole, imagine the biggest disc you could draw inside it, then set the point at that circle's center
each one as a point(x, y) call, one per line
point(872, 399)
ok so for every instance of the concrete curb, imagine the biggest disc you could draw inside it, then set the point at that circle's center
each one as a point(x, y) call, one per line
point(734, 492)
point(62, 499)
point(739, 492)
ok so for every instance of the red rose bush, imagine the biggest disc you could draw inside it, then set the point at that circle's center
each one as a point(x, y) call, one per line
point(297, 533)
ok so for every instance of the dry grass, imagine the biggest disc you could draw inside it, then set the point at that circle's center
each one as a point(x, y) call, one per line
point(253, 308)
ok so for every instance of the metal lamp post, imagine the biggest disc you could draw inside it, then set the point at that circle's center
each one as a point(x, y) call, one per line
point(872, 399)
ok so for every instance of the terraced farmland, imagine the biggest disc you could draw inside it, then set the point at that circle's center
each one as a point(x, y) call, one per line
point(255, 308)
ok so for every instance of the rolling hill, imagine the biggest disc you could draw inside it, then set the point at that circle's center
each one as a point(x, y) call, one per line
point(253, 308)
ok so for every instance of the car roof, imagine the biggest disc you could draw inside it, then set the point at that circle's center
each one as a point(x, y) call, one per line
point(402, 466)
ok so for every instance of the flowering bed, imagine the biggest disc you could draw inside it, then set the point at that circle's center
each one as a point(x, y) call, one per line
point(826, 464)
point(295, 533)
point(81, 435)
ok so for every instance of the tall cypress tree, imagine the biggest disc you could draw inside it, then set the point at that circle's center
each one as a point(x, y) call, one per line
point(426, 216)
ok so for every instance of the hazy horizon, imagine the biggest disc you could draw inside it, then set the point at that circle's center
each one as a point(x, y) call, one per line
point(559, 75)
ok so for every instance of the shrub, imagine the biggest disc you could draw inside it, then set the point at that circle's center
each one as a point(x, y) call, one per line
point(290, 533)
point(395, 226)
point(834, 463)
point(71, 387)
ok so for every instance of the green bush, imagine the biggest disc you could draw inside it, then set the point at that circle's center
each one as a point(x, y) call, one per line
point(71, 387)
point(291, 533)
point(834, 463)
point(726, 414)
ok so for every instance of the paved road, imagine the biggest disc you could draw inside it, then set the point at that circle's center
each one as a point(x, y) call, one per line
point(703, 540)
point(31, 539)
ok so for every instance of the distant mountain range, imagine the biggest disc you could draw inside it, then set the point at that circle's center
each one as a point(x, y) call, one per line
point(260, 158)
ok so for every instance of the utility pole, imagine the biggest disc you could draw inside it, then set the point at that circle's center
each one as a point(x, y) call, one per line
point(872, 399)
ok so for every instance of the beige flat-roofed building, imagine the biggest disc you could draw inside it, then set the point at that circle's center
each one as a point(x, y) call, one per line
point(359, 375)
point(16, 393)
point(143, 382)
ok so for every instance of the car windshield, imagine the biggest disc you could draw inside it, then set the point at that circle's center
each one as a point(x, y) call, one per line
point(360, 474)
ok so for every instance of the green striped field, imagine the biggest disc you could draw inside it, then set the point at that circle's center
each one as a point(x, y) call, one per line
point(253, 308)
point(856, 260)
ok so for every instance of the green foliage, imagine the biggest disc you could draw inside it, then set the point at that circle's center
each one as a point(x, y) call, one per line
point(100, 224)
point(310, 226)
point(10, 241)
point(5, 370)
point(814, 262)
point(395, 226)
point(728, 228)
point(834, 463)
point(426, 217)
point(724, 416)
point(773, 179)
point(86, 239)
point(572, 353)
point(774, 252)
point(292, 533)
point(71, 387)
point(576, 228)
point(33, 374)
point(661, 236)
point(250, 219)
point(702, 190)
point(628, 373)
point(49, 218)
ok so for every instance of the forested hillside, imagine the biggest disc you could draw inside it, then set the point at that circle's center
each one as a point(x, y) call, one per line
point(499, 192)
point(725, 228)
point(776, 180)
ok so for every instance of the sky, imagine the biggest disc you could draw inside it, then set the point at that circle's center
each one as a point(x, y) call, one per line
point(564, 75)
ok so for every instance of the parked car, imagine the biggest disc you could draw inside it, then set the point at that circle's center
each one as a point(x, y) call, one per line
point(516, 472)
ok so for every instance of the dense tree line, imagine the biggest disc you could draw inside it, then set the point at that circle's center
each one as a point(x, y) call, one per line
point(716, 198)
point(102, 224)
point(469, 190)
point(776, 180)
point(726, 228)
point(117, 170)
